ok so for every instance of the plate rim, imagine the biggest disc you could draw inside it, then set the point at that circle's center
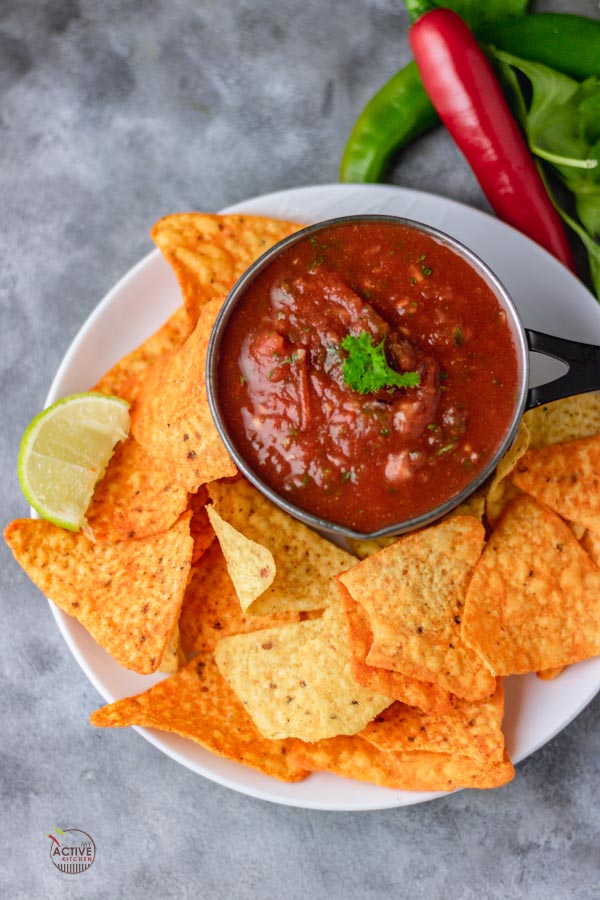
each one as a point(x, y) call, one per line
point(389, 798)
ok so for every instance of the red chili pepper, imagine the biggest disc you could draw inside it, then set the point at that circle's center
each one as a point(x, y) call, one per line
point(469, 100)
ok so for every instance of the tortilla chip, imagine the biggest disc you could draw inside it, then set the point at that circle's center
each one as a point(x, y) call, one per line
point(135, 498)
point(173, 656)
point(197, 704)
point(550, 674)
point(364, 548)
point(472, 506)
point(251, 566)
point(296, 680)
point(170, 416)
point(470, 729)
point(200, 528)
point(534, 601)
point(566, 477)
point(173, 333)
point(208, 253)
point(353, 757)
point(211, 610)
point(413, 593)
point(502, 490)
point(564, 420)
point(305, 562)
point(591, 544)
point(128, 595)
point(423, 694)
point(577, 528)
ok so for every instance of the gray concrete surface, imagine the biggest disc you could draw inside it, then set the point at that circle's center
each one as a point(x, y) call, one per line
point(112, 114)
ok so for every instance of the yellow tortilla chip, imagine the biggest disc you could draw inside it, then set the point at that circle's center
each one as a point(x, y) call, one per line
point(502, 490)
point(354, 757)
point(470, 729)
point(173, 656)
point(173, 333)
point(564, 420)
point(197, 704)
point(305, 562)
point(566, 477)
point(425, 695)
point(534, 600)
point(200, 528)
point(296, 680)
point(128, 595)
point(413, 593)
point(472, 506)
point(251, 566)
point(363, 548)
point(208, 253)
point(135, 498)
point(211, 610)
point(170, 417)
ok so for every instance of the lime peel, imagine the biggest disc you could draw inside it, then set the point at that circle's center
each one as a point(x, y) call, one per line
point(65, 451)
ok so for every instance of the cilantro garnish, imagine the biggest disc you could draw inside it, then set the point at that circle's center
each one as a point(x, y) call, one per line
point(366, 369)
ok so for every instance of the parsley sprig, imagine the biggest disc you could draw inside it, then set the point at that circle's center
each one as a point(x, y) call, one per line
point(366, 369)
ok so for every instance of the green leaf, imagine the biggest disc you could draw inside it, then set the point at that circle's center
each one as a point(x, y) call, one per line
point(366, 369)
point(562, 124)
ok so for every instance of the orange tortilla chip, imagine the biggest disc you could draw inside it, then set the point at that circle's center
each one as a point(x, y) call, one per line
point(173, 333)
point(413, 593)
point(534, 600)
point(591, 544)
point(170, 417)
point(472, 506)
point(422, 694)
point(550, 674)
point(305, 562)
point(208, 253)
point(128, 595)
point(354, 757)
point(296, 680)
point(197, 704)
point(211, 610)
point(470, 729)
point(135, 498)
point(566, 477)
point(564, 420)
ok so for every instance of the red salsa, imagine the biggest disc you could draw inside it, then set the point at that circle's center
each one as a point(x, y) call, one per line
point(309, 366)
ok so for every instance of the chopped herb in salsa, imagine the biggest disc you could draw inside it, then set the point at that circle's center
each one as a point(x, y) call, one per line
point(366, 369)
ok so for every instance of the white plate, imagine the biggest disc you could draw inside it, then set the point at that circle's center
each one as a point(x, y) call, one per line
point(548, 298)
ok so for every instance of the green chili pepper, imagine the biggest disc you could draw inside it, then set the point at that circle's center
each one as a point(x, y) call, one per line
point(398, 113)
point(401, 110)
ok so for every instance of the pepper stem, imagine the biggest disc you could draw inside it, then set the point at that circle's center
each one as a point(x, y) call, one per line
point(418, 8)
point(564, 160)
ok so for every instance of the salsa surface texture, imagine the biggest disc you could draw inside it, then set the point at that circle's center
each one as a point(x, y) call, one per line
point(367, 460)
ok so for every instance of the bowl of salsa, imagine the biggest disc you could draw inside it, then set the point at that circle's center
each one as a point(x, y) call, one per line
point(367, 374)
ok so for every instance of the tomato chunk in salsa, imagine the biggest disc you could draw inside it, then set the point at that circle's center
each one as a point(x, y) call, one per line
point(367, 460)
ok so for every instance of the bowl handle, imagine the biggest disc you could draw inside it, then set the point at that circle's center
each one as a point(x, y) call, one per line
point(583, 374)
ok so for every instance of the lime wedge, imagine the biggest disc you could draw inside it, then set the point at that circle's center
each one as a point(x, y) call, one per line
point(65, 451)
